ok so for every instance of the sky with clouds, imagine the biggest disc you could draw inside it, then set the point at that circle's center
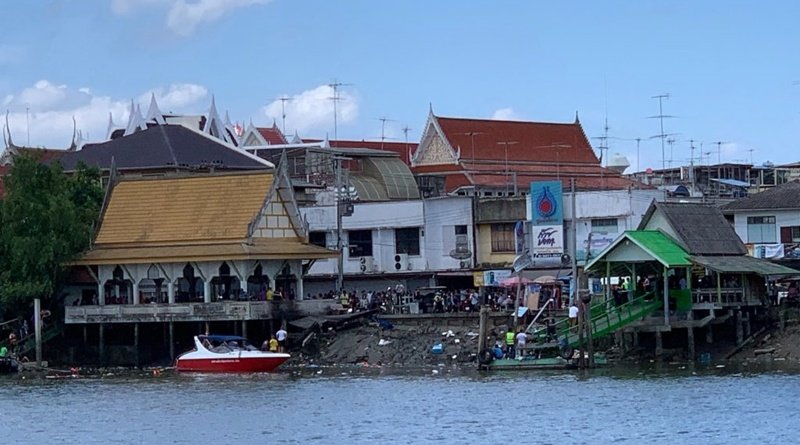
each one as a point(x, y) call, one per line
point(731, 68)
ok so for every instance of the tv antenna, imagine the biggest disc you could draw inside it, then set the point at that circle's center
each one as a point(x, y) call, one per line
point(472, 135)
point(661, 116)
point(671, 142)
point(283, 100)
point(383, 120)
point(719, 150)
point(751, 150)
point(335, 85)
point(603, 144)
point(405, 131)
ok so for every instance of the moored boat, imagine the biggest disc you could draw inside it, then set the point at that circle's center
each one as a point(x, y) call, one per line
point(227, 353)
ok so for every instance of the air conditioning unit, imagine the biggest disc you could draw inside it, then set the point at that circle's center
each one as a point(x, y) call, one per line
point(400, 261)
point(366, 263)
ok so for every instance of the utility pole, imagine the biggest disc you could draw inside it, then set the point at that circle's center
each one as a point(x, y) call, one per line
point(339, 231)
point(573, 245)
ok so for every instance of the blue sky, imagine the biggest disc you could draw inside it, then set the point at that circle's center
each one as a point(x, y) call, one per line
point(732, 68)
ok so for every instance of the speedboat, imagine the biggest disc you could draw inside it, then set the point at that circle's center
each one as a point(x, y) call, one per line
point(227, 353)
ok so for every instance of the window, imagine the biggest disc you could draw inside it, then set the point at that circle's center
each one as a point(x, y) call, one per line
point(605, 225)
point(407, 240)
point(503, 237)
point(461, 230)
point(790, 234)
point(317, 239)
point(761, 229)
point(360, 243)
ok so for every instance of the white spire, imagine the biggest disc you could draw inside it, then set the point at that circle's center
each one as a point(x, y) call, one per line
point(135, 121)
point(326, 143)
point(296, 139)
point(111, 126)
point(153, 112)
point(228, 119)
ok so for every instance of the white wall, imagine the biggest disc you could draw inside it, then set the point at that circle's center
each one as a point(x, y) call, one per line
point(382, 218)
point(783, 218)
point(627, 206)
point(441, 217)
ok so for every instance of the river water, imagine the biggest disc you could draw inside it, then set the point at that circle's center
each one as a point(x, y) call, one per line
point(340, 406)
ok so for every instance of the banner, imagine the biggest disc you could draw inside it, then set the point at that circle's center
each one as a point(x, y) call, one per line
point(546, 203)
point(599, 243)
point(548, 240)
point(494, 277)
point(766, 251)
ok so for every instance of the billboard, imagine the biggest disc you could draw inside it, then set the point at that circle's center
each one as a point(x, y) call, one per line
point(547, 203)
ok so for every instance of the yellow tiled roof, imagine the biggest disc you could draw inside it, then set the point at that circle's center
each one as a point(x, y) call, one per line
point(185, 210)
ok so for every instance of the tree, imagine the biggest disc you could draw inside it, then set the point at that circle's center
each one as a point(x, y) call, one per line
point(46, 220)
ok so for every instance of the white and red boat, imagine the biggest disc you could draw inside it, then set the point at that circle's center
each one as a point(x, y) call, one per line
point(227, 353)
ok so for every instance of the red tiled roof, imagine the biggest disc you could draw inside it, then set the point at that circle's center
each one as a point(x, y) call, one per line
point(42, 154)
point(527, 141)
point(581, 182)
point(273, 135)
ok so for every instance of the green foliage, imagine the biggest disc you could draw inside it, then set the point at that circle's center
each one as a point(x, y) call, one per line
point(46, 220)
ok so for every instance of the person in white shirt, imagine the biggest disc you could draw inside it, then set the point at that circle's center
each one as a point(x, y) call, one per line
point(281, 336)
point(522, 338)
point(573, 316)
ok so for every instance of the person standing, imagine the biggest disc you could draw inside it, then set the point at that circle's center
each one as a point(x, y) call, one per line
point(281, 337)
point(273, 344)
point(522, 339)
point(573, 316)
point(510, 343)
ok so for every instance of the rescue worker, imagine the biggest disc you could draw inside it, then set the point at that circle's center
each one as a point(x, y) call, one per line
point(510, 338)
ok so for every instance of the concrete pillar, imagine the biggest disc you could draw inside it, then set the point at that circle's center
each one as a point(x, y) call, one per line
point(244, 328)
point(635, 335)
point(207, 291)
point(709, 334)
point(135, 296)
point(101, 342)
point(747, 326)
point(171, 296)
point(666, 297)
point(739, 330)
point(659, 345)
point(136, 344)
point(85, 335)
point(300, 291)
point(101, 294)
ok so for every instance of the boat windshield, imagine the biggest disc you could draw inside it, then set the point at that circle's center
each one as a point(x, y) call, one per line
point(225, 343)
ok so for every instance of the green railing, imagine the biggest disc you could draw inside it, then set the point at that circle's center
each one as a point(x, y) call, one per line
point(604, 320)
point(28, 344)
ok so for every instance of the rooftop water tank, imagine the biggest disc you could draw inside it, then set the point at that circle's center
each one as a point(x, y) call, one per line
point(618, 163)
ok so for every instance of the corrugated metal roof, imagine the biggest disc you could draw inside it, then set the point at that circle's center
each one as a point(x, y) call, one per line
point(784, 196)
point(743, 264)
point(701, 228)
point(666, 251)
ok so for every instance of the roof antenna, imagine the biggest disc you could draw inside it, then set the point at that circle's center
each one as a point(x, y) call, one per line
point(383, 120)
point(283, 100)
point(336, 98)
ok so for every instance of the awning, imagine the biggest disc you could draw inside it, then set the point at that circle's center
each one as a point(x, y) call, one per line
point(743, 264)
point(732, 182)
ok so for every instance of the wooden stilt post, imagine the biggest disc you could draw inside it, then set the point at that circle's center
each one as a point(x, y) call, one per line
point(37, 328)
point(690, 337)
point(244, 328)
point(483, 328)
point(666, 297)
point(659, 344)
point(709, 334)
point(581, 327)
point(136, 343)
point(739, 331)
point(85, 335)
point(589, 336)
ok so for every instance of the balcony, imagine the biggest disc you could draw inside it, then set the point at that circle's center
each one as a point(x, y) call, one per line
point(188, 312)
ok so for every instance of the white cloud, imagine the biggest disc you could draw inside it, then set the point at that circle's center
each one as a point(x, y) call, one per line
point(312, 110)
point(505, 114)
point(52, 107)
point(184, 16)
point(176, 97)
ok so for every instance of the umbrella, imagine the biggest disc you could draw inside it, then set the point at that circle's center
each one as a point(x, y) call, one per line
point(546, 279)
point(513, 281)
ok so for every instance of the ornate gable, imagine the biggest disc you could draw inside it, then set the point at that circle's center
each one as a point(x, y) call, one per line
point(434, 148)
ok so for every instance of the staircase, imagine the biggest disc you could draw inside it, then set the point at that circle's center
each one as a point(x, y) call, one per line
point(28, 344)
point(604, 321)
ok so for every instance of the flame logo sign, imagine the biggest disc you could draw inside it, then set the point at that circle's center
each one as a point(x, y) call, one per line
point(546, 204)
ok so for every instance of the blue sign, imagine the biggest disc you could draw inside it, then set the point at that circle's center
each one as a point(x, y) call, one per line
point(546, 203)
